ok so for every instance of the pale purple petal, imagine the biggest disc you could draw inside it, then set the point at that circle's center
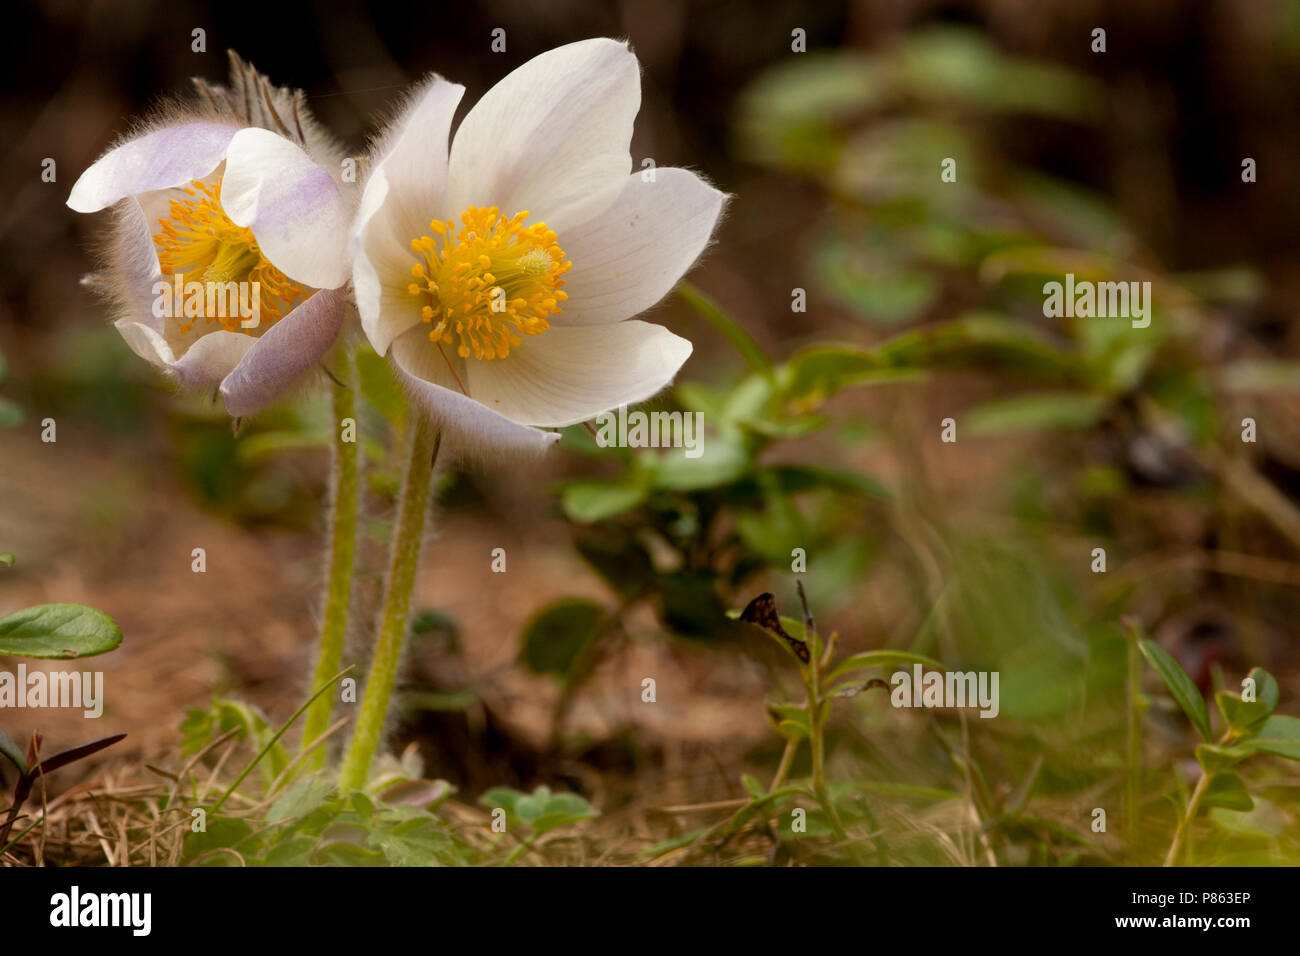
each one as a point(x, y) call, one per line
point(294, 207)
point(284, 353)
point(135, 261)
point(172, 156)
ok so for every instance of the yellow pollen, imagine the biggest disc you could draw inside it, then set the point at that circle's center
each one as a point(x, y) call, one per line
point(199, 243)
point(490, 283)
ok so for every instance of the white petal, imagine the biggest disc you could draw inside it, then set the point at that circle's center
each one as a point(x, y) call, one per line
point(293, 206)
point(630, 257)
point(552, 137)
point(470, 427)
point(405, 190)
point(570, 374)
point(212, 357)
point(160, 160)
point(146, 343)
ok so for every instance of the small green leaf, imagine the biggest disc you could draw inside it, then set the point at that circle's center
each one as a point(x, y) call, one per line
point(6, 558)
point(879, 658)
point(1241, 715)
point(503, 797)
point(590, 501)
point(1043, 411)
point(559, 810)
point(790, 721)
point(1226, 790)
point(1180, 685)
point(557, 637)
point(1279, 735)
point(1216, 758)
point(58, 631)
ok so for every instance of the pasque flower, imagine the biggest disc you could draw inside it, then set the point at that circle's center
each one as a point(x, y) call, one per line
point(503, 271)
point(241, 187)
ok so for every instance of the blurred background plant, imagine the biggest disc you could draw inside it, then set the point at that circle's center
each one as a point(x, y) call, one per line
point(854, 300)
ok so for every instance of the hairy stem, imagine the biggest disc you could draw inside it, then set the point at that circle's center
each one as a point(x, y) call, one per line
point(404, 560)
point(343, 546)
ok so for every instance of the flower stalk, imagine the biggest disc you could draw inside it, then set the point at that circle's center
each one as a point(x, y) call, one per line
point(404, 560)
point(342, 552)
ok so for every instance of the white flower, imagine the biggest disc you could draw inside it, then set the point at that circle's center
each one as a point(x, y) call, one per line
point(504, 272)
point(242, 190)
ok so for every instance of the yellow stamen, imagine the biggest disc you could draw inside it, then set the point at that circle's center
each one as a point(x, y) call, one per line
point(499, 279)
point(200, 243)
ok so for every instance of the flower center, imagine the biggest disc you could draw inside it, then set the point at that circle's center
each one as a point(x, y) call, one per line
point(199, 241)
point(488, 284)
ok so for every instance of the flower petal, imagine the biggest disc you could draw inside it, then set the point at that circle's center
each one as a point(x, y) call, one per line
point(571, 374)
point(211, 358)
point(469, 425)
point(552, 137)
point(404, 191)
point(135, 263)
point(294, 207)
point(630, 257)
point(169, 157)
point(285, 352)
point(146, 343)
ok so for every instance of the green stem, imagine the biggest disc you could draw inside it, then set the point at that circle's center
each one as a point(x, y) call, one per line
point(1185, 824)
point(343, 546)
point(404, 559)
point(1133, 761)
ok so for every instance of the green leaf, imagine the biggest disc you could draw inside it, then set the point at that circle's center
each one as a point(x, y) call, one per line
point(1180, 685)
point(6, 559)
point(1240, 715)
point(814, 374)
point(1051, 411)
point(58, 631)
point(503, 797)
point(303, 797)
point(721, 463)
point(741, 340)
point(1279, 735)
point(559, 635)
point(1216, 758)
point(559, 810)
point(1226, 790)
point(12, 752)
point(590, 501)
point(11, 415)
point(879, 658)
point(790, 721)
point(220, 832)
